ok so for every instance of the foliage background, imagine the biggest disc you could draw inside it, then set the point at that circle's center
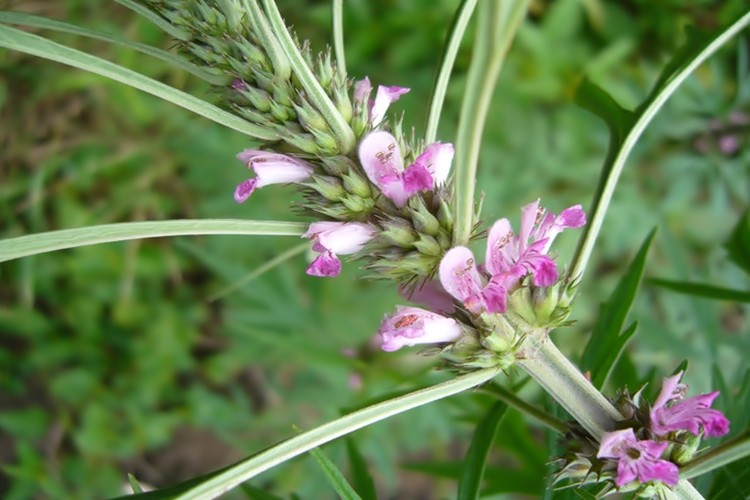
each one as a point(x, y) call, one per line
point(114, 358)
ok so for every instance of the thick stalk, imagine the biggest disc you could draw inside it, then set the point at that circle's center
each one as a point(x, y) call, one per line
point(544, 362)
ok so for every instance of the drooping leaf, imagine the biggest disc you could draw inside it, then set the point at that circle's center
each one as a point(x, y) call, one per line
point(363, 482)
point(476, 457)
point(335, 476)
point(608, 338)
point(702, 290)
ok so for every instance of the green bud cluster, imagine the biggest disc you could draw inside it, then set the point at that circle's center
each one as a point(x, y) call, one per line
point(233, 38)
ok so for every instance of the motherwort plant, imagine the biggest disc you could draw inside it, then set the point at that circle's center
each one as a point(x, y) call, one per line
point(396, 203)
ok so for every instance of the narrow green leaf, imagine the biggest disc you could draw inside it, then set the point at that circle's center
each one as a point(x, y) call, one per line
point(511, 399)
point(693, 54)
point(476, 457)
point(606, 342)
point(738, 246)
point(134, 484)
point(437, 101)
point(155, 18)
point(363, 481)
point(335, 476)
point(702, 290)
point(497, 25)
point(52, 24)
point(23, 246)
point(29, 43)
point(228, 478)
point(260, 270)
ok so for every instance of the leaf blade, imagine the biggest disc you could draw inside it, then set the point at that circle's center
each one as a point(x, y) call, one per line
point(335, 476)
point(475, 460)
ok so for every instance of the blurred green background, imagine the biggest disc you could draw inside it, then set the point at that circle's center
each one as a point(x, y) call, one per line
point(114, 358)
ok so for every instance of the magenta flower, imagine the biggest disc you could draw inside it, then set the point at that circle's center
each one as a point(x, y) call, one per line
point(637, 459)
point(269, 168)
point(690, 415)
point(460, 278)
point(411, 325)
point(383, 99)
point(510, 257)
point(331, 239)
point(380, 156)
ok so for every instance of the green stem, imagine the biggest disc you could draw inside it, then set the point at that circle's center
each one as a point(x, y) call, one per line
point(341, 130)
point(566, 384)
point(338, 36)
point(498, 23)
point(719, 456)
point(512, 400)
point(463, 15)
point(241, 472)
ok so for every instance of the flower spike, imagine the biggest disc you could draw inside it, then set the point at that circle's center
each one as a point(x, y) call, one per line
point(411, 325)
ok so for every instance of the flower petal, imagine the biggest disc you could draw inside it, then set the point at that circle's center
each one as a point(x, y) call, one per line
point(498, 258)
point(244, 189)
point(380, 156)
point(437, 158)
point(417, 178)
point(383, 99)
point(325, 265)
point(460, 278)
point(411, 325)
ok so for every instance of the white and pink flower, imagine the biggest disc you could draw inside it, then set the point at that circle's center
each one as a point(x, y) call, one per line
point(380, 157)
point(269, 168)
point(410, 326)
point(636, 459)
point(331, 239)
point(385, 96)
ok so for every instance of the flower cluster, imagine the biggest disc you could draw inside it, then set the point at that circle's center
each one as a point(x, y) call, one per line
point(671, 433)
point(476, 295)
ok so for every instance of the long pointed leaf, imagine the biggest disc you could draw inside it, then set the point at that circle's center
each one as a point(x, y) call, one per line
point(628, 127)
point(220, 482)
point(23, 246)
point(703, 290)
point(52, 24)
point(476, 457)
point(335, 476)
point(35, 45)
point(363, 482)
point(606, 342)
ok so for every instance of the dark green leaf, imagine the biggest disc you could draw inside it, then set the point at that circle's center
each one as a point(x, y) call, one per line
point(738, 246)
point(134, 484)
point(361, 477)
point(606, 343)
point(476, 456)
point(702, 290)
point(335, 476)
point(255, 493)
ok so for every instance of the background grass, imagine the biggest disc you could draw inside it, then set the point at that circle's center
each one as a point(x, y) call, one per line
point(113, 359)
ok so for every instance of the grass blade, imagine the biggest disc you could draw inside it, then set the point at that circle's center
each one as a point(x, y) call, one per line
point(461, 20)
point(23, 246)
point(35, 45)
point(498, 22)
point(476, 457)
point(33, 21)
point(363, 482)
point(335, 476)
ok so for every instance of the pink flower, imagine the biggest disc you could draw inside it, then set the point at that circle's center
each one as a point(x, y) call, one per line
point(460, 278)
point(380, 156)
point(510, 257)
point(269, 168)
point(383, 99)
point(689, 415)
point(331, 239)
point(411, 325)
point(637, 459)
